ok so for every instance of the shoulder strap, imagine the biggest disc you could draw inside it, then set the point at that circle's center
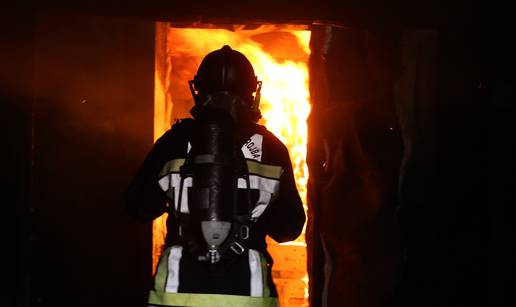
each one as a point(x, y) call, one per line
point(240, 233)
point(237, 241)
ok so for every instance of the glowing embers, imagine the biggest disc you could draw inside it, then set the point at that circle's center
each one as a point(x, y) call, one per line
point(279, 55)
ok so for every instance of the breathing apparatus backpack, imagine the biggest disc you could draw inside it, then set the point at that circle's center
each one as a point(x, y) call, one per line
point(218, 223)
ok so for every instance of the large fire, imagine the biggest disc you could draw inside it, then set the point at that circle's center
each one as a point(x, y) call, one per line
point(279, 56)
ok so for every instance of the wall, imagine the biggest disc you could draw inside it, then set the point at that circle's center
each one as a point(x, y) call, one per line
point(16, 126)
point(354, 156)
point(90, 88)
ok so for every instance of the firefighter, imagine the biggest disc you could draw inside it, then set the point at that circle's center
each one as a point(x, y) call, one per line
point(226, 183)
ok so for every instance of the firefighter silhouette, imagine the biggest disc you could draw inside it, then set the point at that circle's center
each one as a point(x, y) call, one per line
point(226, 182)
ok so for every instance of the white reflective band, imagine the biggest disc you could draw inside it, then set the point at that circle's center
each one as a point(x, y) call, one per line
point(267, 187)
point(164, 182)
point(174, 181)
point(184, 198)
point(262, 203)
point(255, 267)
point(173, 269)
point(260, 183)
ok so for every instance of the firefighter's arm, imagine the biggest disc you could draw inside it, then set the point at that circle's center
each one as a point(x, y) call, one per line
point(144, 198)
point(285, 218)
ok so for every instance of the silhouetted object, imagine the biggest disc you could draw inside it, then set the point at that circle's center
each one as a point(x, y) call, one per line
point(226, 183)
point(354, 154)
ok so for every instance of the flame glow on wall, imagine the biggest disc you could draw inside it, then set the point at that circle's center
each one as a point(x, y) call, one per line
point(279, 55)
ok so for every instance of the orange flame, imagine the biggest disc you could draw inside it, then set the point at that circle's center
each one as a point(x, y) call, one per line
point(279, 56)
point(285, 96)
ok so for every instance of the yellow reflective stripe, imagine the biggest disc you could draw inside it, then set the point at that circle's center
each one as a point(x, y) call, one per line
point(209, 300)
point(265, 170)
point(171, 166)
point(162, 271)
point(266, 289)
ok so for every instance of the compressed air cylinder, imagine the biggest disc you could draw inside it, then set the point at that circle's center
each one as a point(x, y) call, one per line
point(214, 180)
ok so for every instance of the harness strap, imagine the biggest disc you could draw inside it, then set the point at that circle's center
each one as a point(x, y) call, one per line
point(236, 243)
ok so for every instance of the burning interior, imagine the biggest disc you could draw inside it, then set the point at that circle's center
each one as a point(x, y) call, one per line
point(279, 54)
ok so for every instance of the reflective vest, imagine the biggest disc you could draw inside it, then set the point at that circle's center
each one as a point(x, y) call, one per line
point(167, 281)
point(277, 212)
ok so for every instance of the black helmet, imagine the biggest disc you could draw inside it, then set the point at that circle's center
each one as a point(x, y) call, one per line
point(226, 71)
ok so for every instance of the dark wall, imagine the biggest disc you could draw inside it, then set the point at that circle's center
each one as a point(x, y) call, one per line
point(499, 146)
point(79, 125)
point(351, 13)
point(16, 150)
point(449, 210)
point(438, 89)
point(354, 156)
point(454, 93)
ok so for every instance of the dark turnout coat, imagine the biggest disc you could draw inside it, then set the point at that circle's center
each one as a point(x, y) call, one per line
point(276, 211)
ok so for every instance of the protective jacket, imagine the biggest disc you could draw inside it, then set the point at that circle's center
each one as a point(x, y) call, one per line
point(243, 279)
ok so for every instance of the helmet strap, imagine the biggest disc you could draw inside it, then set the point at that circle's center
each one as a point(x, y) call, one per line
point(195, 95)
point(256, 102)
